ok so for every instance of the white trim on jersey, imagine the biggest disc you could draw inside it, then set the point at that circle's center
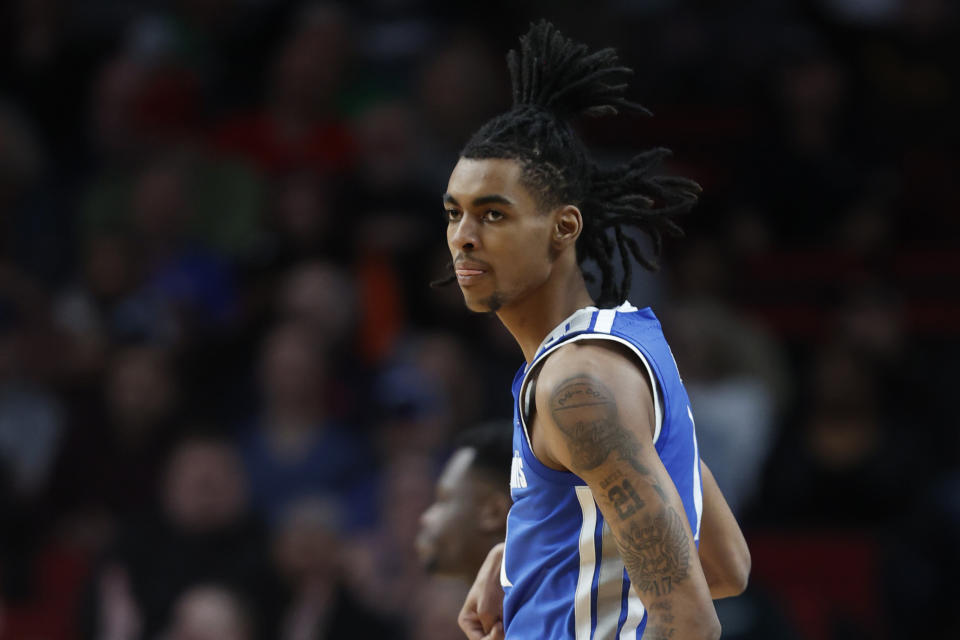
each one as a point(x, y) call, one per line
point(609, 587)
point(604, 320)
point(504, 580)
point(583, 620)
point(526, 401)
point(697, 486)
point(657, 408)
point(604, 325)
point(635, 611)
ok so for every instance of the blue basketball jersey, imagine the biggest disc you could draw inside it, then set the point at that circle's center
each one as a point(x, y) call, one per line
point(562, 573)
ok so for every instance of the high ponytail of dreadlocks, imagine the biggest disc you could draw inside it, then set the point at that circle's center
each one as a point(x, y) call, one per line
point(555, 80)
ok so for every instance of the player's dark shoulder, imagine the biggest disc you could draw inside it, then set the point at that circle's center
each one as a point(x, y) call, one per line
point(602, 360)
point(595, 357)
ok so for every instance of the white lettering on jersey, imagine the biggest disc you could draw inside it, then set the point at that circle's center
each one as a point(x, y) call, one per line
point(517, 479)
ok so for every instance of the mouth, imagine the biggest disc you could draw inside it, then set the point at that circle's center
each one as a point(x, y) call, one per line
point(469, 273)
point(467, 277)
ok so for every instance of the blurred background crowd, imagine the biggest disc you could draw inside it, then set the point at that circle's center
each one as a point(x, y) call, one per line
point(226, 388)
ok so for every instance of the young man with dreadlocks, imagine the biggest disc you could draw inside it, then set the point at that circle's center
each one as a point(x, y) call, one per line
point(609, 496)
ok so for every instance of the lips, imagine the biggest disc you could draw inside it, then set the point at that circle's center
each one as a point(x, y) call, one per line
point(469, 272)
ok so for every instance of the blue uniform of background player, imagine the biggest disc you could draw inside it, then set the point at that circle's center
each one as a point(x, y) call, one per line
point(562, 574)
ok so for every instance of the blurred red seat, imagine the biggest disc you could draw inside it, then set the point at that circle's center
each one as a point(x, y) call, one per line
point(821, 578)
point(52, 613)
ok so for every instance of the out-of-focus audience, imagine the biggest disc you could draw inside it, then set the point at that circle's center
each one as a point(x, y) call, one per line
point(296, 446)
point(312, 597)
point(203, 532)
point(208, 612)
point(228, 394)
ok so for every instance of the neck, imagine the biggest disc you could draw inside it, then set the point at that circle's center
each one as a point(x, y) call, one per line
point(531, 319)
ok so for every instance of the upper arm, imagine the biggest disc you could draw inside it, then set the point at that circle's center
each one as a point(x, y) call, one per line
point(596, 408)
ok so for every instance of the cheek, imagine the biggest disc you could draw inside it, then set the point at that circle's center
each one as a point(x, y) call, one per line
point(530, 264)
point(449, 236)
point(452, 522)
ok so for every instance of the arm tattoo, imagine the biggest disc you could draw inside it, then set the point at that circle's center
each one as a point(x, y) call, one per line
point(655, 551)
point(663, 609)
point(625, 500)
point(585, 411)
point(659, 632)
point(654, 546)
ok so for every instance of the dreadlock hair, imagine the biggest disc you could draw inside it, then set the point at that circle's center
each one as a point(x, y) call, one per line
point(555, 80)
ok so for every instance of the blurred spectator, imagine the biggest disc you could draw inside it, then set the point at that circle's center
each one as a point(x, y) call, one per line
point(202, 533)
point(384, 569)
point(222, 42)
point(32, 425)
point(812, 93)
point(117, 444)
point(733, 371)
point(300, 127)
point(295, 448)
point(102, 307)
point(424, 392)
point(141, 103)
point(21, 156)
point(312, 601)
point(209, 612)
point(323, 298)
point(460, 86)
point(31, 419)
point(922, 562)
point(177, 189)
point(390, 156)
point(32, 199)
point(32, 416)
point(302, 222)
point(190, 280)
point(392, 193)
point(46, 63)
point(845, 465)
point(183, 286)
point(872, 319)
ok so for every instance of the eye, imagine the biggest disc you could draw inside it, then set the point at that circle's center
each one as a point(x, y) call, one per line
point(452, 215)
point(492, 215)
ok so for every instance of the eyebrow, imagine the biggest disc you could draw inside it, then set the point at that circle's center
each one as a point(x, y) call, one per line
point(482, 200)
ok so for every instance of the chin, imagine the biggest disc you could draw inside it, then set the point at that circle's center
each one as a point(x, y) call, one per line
point(476, 306)
point(489, 304)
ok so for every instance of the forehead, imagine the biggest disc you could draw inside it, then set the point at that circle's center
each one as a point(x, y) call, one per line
point(472, 178)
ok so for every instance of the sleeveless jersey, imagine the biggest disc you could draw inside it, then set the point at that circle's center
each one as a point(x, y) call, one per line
point(562, 573)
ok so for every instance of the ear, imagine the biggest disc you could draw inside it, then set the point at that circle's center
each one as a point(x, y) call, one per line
point(568, 223)
point(492, 516)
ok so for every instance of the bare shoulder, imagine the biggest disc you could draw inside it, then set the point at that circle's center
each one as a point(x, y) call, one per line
point(603, 361)
point(595, 373)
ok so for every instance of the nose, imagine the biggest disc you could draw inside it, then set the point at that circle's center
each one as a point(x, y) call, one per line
point(463, 235)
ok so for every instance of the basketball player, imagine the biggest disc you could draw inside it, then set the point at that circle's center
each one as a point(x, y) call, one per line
point(469, 513)
point(606, 478)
